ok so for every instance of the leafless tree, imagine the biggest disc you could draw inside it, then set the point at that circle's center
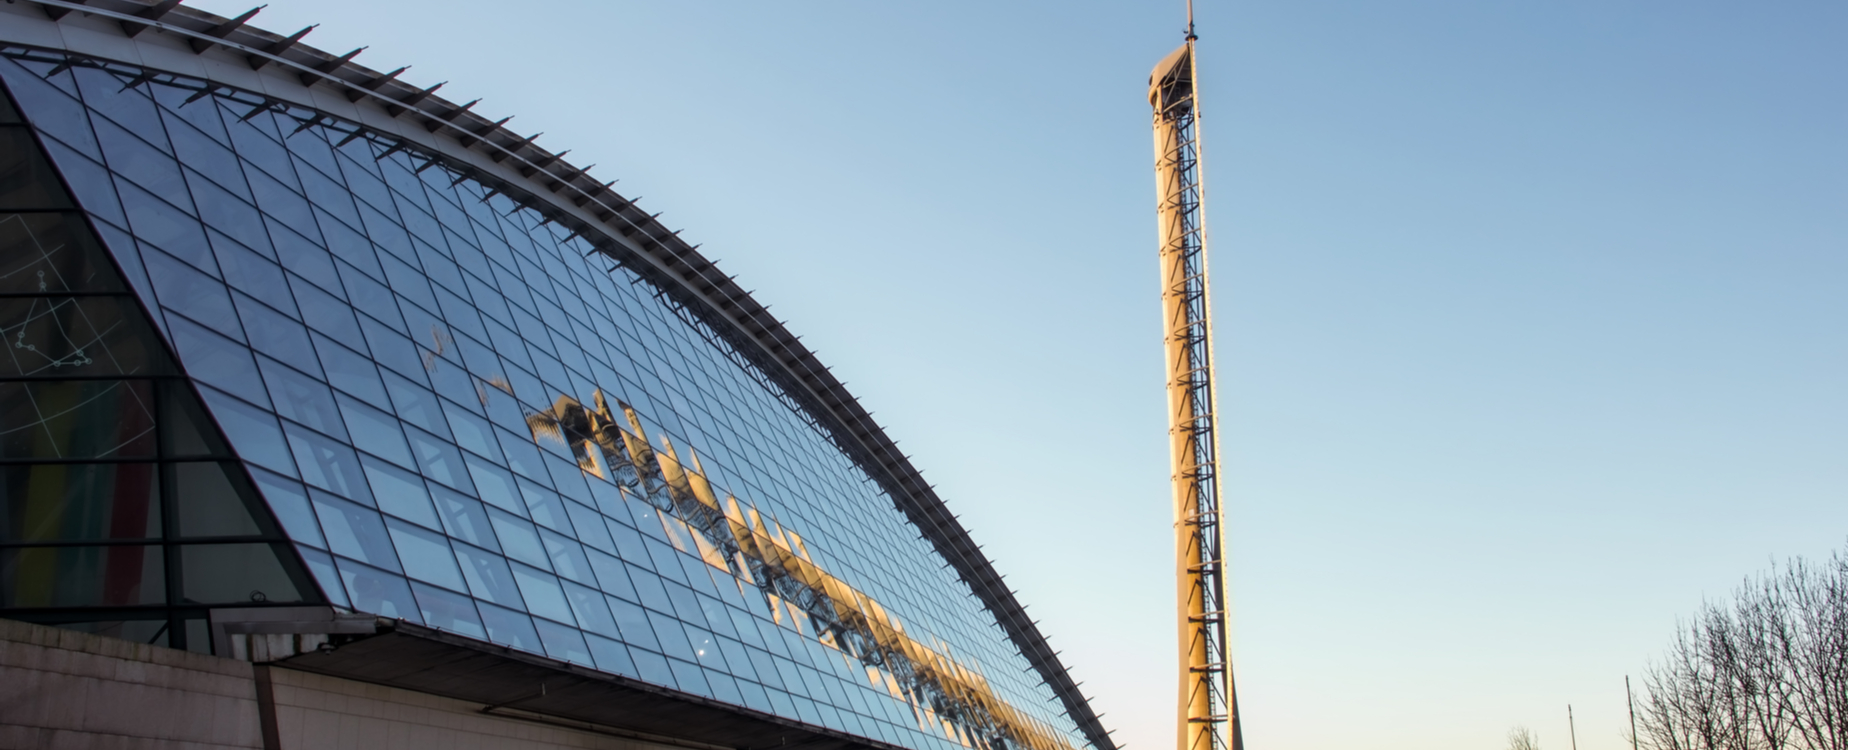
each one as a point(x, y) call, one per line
point(1765, 672)
point(1523, 739)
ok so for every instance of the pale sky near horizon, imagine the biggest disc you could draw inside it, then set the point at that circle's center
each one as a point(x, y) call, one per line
point(1531, 317)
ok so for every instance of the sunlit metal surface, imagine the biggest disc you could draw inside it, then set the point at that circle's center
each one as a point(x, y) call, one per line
point(1208, 715)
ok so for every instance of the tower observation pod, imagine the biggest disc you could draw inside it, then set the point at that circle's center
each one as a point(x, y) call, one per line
point(1207, 716)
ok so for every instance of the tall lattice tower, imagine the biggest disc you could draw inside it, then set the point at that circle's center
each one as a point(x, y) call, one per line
point(1208, 715)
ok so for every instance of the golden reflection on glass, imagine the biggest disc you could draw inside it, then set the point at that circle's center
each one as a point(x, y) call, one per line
point(947, 697)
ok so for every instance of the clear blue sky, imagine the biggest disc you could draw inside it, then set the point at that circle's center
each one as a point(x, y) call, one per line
point(1531, 315)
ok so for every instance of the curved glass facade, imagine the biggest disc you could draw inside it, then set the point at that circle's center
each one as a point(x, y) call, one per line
point(461, 416)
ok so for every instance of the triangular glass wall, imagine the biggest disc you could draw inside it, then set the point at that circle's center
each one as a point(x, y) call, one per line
point(122, 509)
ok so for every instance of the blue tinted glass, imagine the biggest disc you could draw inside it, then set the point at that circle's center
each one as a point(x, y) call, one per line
point(649, 588)
point(591, 610)
point(394, 350)
point(611, 577)
point(328, 464)
point(278, 336)
point(217, 360)
point(371, 297)
point(229, 214)
point(464, 518)
point(633, 622)
point(252, 431)
point(325, 193)
point(590, 527)
point(511, 628)
point(375, 432)
point(542, 593)
point(439, 460)
point(449, 611)
point(89, 182)
point(355, 531)
point(350, 246)
point(351, 372)
point(522, 457)
point(290, 503)
point(545, 507)
point(160, 224)
point(671, 635)
point(611, 656)
point(519, 539)
point(568, 557)
point(563, 643)
point(488, 576)
point(321, 566)
point(302, 398)
point(304, 257)
point(426, 555)
point(653, 667)
point(472, 432)
point(191, 293)
point(252, 274)
point(134, 158)
point(378, 592)
point(495, 485)
point(283, 203)
point(197, 150)
point(400, 492)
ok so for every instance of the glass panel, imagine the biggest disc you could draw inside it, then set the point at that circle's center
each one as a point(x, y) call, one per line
point(448, 611)
point(426, 556)
point(302, 398)
point(273, 333)
point(542, 592)
point(77, 419)
point(563, 643)
point(321, 566)
point(378, 592)
point(400, 492)
point(568, 557)
point(26, 179)
point(211, 499)
point(439, 460)
point(67, 336)
point(289, 501)
point(355, 531)
point(511, 628)
point(218, 360)
point(495, 484)
point(519, 539)
point(185, 429)
point(328, 464)
point(253, 432)
point(546, 507)
point(488, 576)
point(51, 253)
point(76, 502)
point(236, 573)
point(118, 575)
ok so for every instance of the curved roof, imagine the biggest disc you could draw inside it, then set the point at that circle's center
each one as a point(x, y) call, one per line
point(487, 151)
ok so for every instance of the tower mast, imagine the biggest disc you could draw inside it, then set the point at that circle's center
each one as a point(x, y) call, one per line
point(1207, 716)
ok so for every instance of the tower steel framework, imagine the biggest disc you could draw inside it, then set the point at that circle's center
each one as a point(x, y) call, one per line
point(1207, 714)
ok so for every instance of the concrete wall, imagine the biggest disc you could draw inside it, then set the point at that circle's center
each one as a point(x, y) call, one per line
point(64, 689)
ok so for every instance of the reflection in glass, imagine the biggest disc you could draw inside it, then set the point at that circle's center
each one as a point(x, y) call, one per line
point(117, 575)
point(77, 502)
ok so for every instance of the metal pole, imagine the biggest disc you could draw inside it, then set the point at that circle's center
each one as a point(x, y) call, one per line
point(1572, 740)
point(1207, 713)
point(1630, 712)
